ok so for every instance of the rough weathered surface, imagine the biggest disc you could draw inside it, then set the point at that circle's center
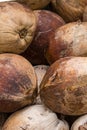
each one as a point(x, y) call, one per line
point(35, 4)
point(68, 40)
point(35, 117)
point(17, 27)
point(17, 82)
point(80, 123)
point(70, 10)
point(47, 23)
point(64, 87)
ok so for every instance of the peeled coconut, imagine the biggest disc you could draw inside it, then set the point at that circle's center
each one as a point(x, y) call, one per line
point(80, 123)
point(36, 117)
point(17, 27)
point(40, 72)
point(17, 82)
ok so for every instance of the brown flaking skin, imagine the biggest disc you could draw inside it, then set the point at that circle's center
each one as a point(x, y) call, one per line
point(17, 82)
point(64, 87)
point(17, 27)
point(68, 40)
point(70, 10)
point(46, 25)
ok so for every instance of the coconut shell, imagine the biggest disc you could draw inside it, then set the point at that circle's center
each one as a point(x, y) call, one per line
point(35, 117)
point(70, 10)
point(17, 83)
point(64, 86)
point(68, 40)
point(17, 27)
point(47, 23)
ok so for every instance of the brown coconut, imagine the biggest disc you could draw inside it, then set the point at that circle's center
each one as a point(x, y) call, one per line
point(47, 23)
point(17, 82)
point(64, 87)
point(68, 40)
point(70, 10)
